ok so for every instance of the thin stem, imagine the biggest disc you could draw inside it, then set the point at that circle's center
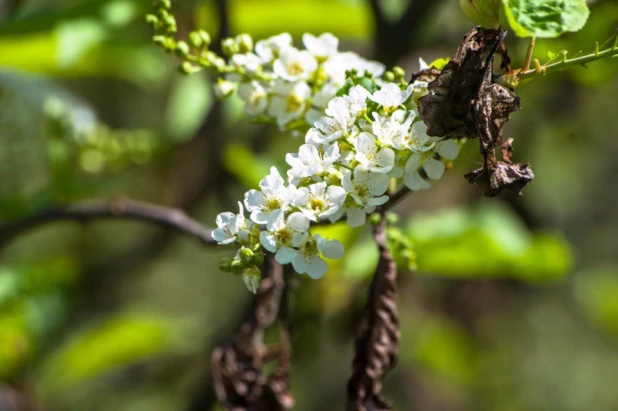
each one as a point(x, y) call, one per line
point(528, 58)
point(514, 79)
point(170, 218)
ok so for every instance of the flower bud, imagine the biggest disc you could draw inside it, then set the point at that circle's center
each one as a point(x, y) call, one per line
point(166, 4)
point(246, 255)
point(225, 265)
point(399, 72)
point(374, 218)
point(258, 258)
point(181, 49)
point(392, 218)
point(152, 20)
point(388, 76)
point(205, 37)
point(229, 46)
point(159, 40)
point(188, 68)
point(195, 40)
point(224, 89)
point(236, 267)
point(218, 63)
point(485, 13)
point(245, 43)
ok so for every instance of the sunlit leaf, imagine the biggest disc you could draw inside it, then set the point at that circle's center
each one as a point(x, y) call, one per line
point(545, 18)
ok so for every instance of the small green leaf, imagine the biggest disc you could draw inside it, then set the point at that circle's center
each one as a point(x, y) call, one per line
point(545, 18)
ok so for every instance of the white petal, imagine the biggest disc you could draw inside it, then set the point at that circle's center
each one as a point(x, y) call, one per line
point(434, 168)
point(267, 239)
point(378, 183)
point(414, 163)
point(415, 182)
point(298, 221)
point(254, 200)
point(223, 219)
point(330, 248)
point(285, 255)
point(448, 149)
point(384, 160)
point(356, 217)
point(315, 267)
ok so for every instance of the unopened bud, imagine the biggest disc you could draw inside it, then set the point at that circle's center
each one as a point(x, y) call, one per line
point(246, 255)
point(188, 68)
point(388, 76)
point(392, 218)
point(195, 40)
point(152, 20)
point(225, 265)
point(251, 278)
point(374, 218)
point(236, 267)
point(245, 43)
point(181, 49)
point(399, 72)
point(205, 37)
point(159, 40)
point(258, 258)
point(166, 4)
point(229, 46)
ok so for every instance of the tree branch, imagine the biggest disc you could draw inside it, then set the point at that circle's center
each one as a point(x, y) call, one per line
point(169, 218)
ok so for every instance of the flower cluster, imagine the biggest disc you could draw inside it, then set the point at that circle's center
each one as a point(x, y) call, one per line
point(369, 142)
point(284, 84)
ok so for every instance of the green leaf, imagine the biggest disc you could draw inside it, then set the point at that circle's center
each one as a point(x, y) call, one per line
point(545, 18)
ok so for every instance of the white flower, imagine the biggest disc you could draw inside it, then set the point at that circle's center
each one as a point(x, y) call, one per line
point(294, 65)
point(433, 168)
point(415, 182)
point(285, 235)
point(273, 197)
point(255, 97)
point(310, 162)
point(357, 100)
point(415, 139)
point(390, 131)
point(249, 61)
point(366, 186)
point(229, 225)
point(289, 101)
point(272, 47)
point(320, 200)
point(321, 47)
point(309, 258)
point(390, 96)
point(379, 160)
point(422, 64)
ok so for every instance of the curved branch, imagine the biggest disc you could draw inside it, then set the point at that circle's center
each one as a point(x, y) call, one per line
point(169, 218)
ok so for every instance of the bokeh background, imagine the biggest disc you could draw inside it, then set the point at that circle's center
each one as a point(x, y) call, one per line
point(514, 306)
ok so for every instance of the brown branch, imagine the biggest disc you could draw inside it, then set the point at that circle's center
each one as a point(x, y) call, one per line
point(169, 218)
point(237, 365)
point(377, 343)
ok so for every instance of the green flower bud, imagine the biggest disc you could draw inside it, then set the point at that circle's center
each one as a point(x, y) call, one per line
point(374, 218)
point(392, 218)
point(181, 49)
point(246, 255)
point(166, 4)
point(218, 63)
point(399, 72)
point(159, 40)
point(229, 46)
point(258, 258)
point(195, 40)
point(237, 267)
point(388, 76)
point(485, 13)
point(245, 43)
point(225, 265)
point(205, 38)
point(152, 20)
point(188, 68)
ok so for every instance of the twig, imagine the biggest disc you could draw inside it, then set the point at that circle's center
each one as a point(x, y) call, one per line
point(169, 218)
point(377, 343)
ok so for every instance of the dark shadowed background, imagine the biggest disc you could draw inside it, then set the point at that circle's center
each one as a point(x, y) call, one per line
point(514, 306)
